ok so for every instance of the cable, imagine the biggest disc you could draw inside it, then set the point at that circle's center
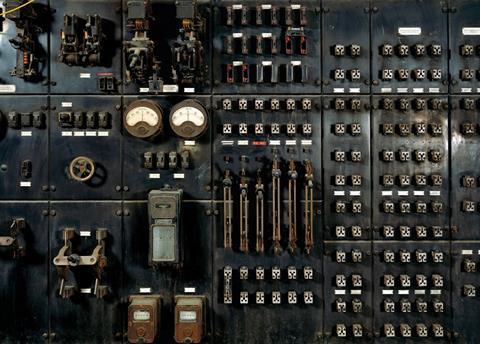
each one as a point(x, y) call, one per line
point(3, 14)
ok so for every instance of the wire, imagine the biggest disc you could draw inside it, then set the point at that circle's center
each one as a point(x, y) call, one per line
point(3, 14)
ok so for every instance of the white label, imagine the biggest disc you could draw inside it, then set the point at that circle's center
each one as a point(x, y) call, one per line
point(170, 88)
point(266, 63)
point(338, 90)
point(86, 290)
point(267, 35)
point(435, 193)
point(296, 7)
point(274, 142)
point(403, 193)
point(409, 31)
point(466, 90)
point(90, 133)
point(435, 292)
point(478, 90)
point(402, 90)
point(237, 7)
point(189, 290)
point(237, 63)
point(339, 193)
point(340, 292)
point(189, 143)
point(67, 104)
point(355, 193)
point(179, 176)
point(145, 290)
point(237, 34)
point(306, 142)
point(189, 90)
point(387, 193)
point(85, 233)
point(85, 75)
point(387, 292)
point(144, 90)
point(418, 90)
point(25, 184)
point(296, 63)
point(354, 90)
point(154, 175)
point(242, 142)
point(467, 251)
point(290, 142)
point(8, 88)
point(403, 292)
point(471, 31)
point(418, 193)
point(419, 291)
point(386, 90)
point(227, 143)
point(433, 90)
point(67, 133)
point(356, 292)
point(103, 133)
point(26, 133)
point(266, 7)
point(78, 133)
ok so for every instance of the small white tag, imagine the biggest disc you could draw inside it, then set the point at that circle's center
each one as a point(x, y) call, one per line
point(435, 292)
point(355, 193)
point(189, 90)
point(387, 193)
point(237, 63)
point(354, 90)
point(340, 292)
point(237, 34)
point(274, 142)
point(237, 7)
point(86, 290)
point(467, 251)
point(145, 290)
point(85, 233)
point(403, 193)
point(435, 193)
point(103, 133)
point(154, 175)
point(402, 90)
point(26, 133)
point(227, 143)
point(338, 90)
point(339, 193)
point(189, 290)
point(356, 292)
point(387, 292)
point(419, 291)
point(67, 104)
point(386, 90)
point(306, 142)
point(266, 63)
point(170, 88)
point(179, 176)
point(409, 31)
point(85, 75)
point(290, 142)
point(242, 142)
point(8, 88)
point(296, 6)
point(189, 143)
point(403, 292)
point(78, 133)
point(433, 90)
point(296, 63)
point(466, 90)
point(25, 184)
point(418, 90)
point(67, 133)
point(266, 7)
point(267, 35)
point(90, 133)
point(471, 31)
point(419, 193)
point(144, 90)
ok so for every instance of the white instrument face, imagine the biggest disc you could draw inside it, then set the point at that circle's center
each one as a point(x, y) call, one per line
point(143, 119)
point(189, 119)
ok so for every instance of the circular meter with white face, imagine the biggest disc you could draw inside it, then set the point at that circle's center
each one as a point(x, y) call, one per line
point(189, 119)
point(143, 119)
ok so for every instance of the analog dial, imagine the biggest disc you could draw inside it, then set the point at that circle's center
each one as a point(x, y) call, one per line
point(143, 119)
point(189, 119)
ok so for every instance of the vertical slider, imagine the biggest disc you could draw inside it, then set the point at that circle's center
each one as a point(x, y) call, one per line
point(228, 42)
point(259, 213)
point(288, 43)
point(230, 74)
point(259, 41)
point(243, 212)
point(245, 73)
point(244, 42)
point(230, 16)
point(244, 19)
point(259, 71)
point(274, 15)
point(303, 44)
point(259, 15)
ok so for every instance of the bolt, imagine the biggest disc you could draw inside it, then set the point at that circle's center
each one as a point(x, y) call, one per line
point(118, 188)
point(45, 212)
point(53, 213)
point(118, 213)
point(3, 167)
point(53, 188)
point(126, 188)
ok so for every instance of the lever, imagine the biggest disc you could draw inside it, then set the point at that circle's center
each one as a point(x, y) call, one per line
point(227, 210)
point(16, 239)
point(308, 222)
point(259, 190)
point(243, 212)
point(292, 207)
point(276, 187)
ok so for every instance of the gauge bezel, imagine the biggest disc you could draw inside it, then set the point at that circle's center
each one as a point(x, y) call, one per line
point(151, 130)
point(199, 130)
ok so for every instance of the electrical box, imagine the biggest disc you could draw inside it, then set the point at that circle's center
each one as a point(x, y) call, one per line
point(143, 318)
point(189, 318)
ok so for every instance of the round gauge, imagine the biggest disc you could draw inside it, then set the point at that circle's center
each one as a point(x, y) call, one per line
point(189, 119)
point(143, 119)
